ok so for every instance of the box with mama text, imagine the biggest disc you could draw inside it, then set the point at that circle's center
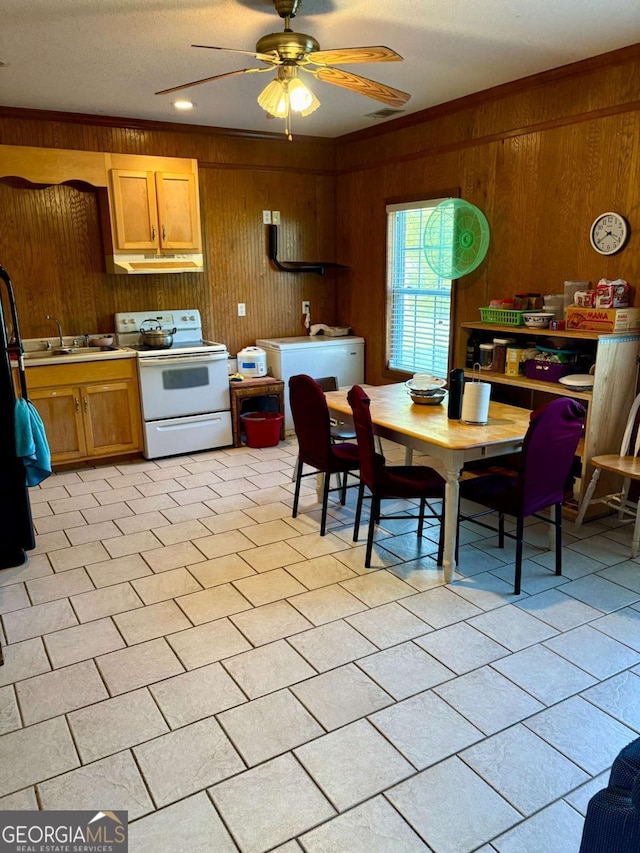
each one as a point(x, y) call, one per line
point(606, 320)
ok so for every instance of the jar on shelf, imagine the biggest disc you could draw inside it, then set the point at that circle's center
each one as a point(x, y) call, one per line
point(472, 354)
point(486, 356)
point(521, 301)
point(500, 353)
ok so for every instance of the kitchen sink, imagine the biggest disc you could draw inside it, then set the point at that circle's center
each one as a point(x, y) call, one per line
point(77, 352)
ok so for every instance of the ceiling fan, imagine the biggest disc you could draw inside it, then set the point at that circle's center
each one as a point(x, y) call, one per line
point(290, 52)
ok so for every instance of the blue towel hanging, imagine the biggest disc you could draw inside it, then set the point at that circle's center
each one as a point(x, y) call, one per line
point(31, 442)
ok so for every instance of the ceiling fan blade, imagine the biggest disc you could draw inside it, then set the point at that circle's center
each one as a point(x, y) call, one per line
point(344, 55)
point(264, 57)
point(209, 79)
point(361, 85)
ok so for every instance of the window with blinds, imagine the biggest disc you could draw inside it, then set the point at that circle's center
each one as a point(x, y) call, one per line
point(418, 300)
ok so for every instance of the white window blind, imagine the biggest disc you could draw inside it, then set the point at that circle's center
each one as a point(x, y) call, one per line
point(418, 300)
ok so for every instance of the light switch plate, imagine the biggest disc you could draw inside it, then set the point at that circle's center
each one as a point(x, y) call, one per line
point(275, 217)
point(266, 217)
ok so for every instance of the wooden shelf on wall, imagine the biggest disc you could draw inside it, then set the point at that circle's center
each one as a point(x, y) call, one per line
point(556, 388)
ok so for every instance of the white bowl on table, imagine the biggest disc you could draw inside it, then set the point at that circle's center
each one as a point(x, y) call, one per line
point(538, 320)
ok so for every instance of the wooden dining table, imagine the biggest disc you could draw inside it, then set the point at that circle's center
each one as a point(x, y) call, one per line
point(449, 444)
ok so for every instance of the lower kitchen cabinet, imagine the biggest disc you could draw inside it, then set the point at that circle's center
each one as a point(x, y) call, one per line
point(91, 419)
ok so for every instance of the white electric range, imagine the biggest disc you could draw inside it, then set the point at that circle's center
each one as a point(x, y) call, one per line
point(184, 388)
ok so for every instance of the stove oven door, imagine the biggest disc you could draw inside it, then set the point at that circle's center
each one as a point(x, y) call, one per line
point(173, 386)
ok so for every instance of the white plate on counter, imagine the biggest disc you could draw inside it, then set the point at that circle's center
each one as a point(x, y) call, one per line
point(577, 381)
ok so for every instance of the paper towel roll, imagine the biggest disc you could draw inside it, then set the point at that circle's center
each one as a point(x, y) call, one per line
point(475, 402)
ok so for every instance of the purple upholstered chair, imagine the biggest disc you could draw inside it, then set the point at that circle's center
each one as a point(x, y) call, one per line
point(389, 481)
point(315, 446)
point(545, 464)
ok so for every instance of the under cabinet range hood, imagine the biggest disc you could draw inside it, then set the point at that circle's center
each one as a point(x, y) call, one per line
point(136, 264)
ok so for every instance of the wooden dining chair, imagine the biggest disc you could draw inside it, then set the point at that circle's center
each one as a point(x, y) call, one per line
point(539, 481)
point(626, 466)
point(387, 482)
point(316, 448)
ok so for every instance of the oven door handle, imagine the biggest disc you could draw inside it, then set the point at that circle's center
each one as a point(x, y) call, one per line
point(193, 358)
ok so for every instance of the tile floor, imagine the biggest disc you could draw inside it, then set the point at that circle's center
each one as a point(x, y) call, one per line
point(178, 646)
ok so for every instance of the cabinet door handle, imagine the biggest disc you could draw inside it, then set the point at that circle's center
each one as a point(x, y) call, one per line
point(77, 402)
point(86, 403)
point(153, 233)
point(164, 233)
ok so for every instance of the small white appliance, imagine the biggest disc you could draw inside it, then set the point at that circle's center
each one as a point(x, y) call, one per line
point(184, 388)
point(316, 356)
point(252, 361)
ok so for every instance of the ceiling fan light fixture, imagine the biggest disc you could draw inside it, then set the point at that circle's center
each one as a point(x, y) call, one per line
point(301, 98)
point(273, 99)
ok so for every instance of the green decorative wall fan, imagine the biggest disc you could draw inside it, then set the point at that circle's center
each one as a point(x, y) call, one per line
point(456, 238)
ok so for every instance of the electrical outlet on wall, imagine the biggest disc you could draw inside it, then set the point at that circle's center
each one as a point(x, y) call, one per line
point(266, 217)
point(306, 306)
point(242, 309)
point(275, 217)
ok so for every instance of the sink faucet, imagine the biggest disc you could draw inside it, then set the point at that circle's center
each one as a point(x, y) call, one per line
point(57, 322)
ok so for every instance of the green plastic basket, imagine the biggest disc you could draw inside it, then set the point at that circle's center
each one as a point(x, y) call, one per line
point(505, 317)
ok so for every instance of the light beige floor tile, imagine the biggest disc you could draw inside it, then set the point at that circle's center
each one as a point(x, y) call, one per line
point(47, 543)
point(440, 607)
point(331, 645)
point(226, 521)
point(184, 531)
point(270, 622)
point(38, 752)
point(221, 544)
point(23, 660)
point(510, 762)
point(93, 532)
point(213, 603)
point(14, 597)
point(35, 567)
point(131, 543)
point(274, 556)
point(241, 486)
point(221, 570)
point(269, 532)
point(60, 691)
point(9, 714)
point(235, 472)
point(169, 584)
point(388, 625)
point(512, 627)
point(195, 695)
point(39, 619)
point(268, 512)
point(77, 556)
point(373, 827)
point(326, 604)
point(558, 828)
point(593, 651)
point(146, 521)
point(155, 620)
point(116, 724)
point(142, 505)
point(184, 761)
point(192, 824)
point(378, 588)
point(461, 648)
point(21, 800)
point(82, 642)
point(488, 700)
point(208, 643)
point(341, 696)
point(579, 798)
point(110, 512)
point(173, 556)
point(268, 668)
point(313, 545)
point(118, 570)
point(405, 670)
point(105, 602)
point(550, 679)
point(269, 586)
point(138, 665)
point(59, 586)
point(269, 726)
point(270, 804)
point(425, 802)
point(619, 696)
point(162, 487)
point(52, 492)
point(115, 780)
point(60, 521)
point(188, 512)
point(321, 571)
point(230, 503)
point(194, 481)
point(559, 610)
point(353, 763)
point(423, 745)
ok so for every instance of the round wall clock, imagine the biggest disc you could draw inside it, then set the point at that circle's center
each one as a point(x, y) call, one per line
point(609, 233)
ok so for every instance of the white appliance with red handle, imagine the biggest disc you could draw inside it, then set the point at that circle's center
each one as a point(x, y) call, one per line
point(184, 388)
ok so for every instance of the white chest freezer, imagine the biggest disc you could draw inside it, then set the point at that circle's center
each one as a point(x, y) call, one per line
point(316, 356)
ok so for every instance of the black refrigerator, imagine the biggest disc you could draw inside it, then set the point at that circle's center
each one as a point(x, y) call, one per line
point(16, 527)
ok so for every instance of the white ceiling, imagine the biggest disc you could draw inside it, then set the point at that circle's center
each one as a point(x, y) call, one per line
point(108, 57)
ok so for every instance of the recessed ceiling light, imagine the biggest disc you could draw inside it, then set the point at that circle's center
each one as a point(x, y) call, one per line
point(183, 105)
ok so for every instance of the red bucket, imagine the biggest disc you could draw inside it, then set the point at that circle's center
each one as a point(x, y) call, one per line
point(262, 428)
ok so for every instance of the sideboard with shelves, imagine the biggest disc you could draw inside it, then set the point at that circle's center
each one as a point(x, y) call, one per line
point(615, 359)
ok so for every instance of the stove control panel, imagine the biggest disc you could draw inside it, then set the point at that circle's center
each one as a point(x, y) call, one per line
point(180, 320)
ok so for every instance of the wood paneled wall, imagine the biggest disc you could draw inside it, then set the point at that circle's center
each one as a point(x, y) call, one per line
point(541, 157)
point(50, 239)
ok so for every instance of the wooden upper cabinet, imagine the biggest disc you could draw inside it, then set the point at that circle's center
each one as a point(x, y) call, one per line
point(178, 211)
point(135, 210)
point(155, 211)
